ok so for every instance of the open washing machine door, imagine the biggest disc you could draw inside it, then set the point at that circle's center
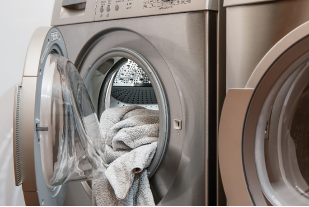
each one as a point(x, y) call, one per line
point(263, 135)
point(55, 124)
point(69, 131)
point(27, 126)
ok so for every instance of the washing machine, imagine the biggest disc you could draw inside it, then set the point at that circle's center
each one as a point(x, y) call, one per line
point(159, 54)
point(263, 135)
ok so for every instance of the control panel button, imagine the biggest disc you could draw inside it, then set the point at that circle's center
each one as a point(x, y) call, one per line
point(108, 8)
point(117, 7)
point(102, 9)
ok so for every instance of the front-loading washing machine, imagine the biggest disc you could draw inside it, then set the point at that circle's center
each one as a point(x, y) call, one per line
point(263, 135)
point(161, 55)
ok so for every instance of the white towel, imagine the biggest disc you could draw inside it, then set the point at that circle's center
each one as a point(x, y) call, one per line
point(131, 135)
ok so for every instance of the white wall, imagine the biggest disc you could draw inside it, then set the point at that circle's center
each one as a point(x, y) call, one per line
point(18, 20)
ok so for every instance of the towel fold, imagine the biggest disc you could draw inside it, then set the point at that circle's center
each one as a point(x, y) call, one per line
point(129, 143)
point(122, 171)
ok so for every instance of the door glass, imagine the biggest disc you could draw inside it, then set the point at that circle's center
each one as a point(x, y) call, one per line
point(71, 129)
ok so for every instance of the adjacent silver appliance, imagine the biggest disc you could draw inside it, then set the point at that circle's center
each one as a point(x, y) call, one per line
point(160, 54)
point(263, 136)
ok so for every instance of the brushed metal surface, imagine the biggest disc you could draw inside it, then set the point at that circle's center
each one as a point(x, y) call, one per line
point(33, 54)
point(252, 30)
point(230, 146)
point(242, 2)
point(63, 15)
point(283, 45)
point(106, 10)
point(179, 60)
point(77, 196)
point(87, 188)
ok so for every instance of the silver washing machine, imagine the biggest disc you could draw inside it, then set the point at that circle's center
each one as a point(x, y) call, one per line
point(263, 135)
point(158, 54)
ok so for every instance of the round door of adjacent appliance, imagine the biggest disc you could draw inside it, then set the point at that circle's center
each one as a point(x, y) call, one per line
point(263, 135)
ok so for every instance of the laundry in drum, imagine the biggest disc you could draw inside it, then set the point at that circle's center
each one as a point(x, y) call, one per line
point(113, 153)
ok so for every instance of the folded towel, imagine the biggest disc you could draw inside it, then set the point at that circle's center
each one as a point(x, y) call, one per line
point(129, 143)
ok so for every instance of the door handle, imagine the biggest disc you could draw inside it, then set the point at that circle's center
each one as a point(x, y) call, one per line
point(74, 4)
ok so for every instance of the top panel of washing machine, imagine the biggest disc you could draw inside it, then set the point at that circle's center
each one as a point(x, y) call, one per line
point(78, 11)
point(242, 2)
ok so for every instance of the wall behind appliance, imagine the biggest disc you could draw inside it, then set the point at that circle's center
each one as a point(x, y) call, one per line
point(18, 20)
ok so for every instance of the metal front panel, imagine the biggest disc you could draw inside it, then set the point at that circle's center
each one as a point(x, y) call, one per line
point(107, 10)
point(76, 195)
point(252, 30)
point(71, 12)
point(242, 2)
point(275, 52)
point(33, 55)
point(63, 13)
point(180, 54)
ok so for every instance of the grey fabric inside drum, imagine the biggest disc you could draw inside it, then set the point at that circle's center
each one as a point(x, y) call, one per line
point(133, 95)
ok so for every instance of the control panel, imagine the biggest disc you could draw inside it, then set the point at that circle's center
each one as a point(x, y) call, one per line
point(117, 9)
